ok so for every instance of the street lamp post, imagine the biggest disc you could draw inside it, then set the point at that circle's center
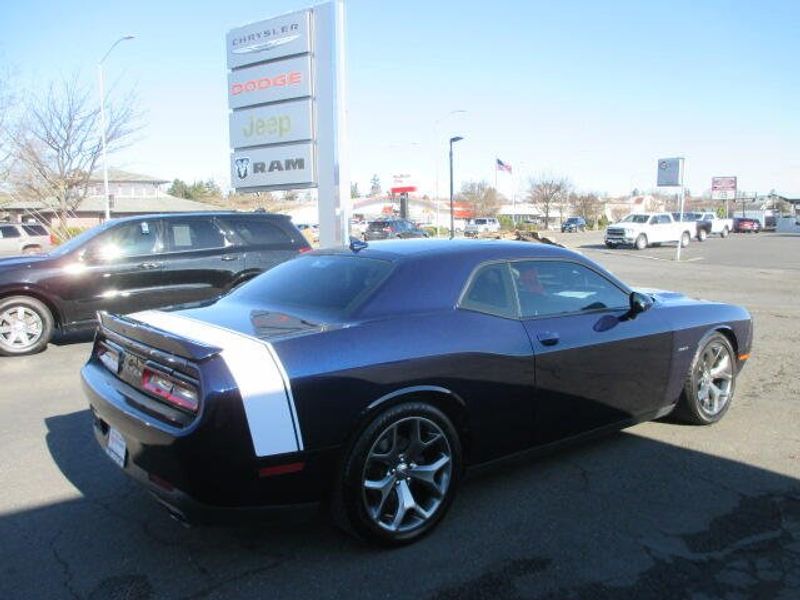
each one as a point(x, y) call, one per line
point(101, 85)
point(459, 111)
point(453, 140)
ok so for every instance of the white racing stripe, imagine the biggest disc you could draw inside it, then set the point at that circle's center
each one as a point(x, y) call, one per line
point(255, 366)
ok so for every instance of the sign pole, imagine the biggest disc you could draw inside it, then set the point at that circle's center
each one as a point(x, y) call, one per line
point(333, 197)
point(680, 239)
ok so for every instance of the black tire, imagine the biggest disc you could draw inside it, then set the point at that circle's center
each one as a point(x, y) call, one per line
point(35, 249)
point(685, 239)
point(690, 408)
point(35, 312)
point(725, 232)
point(702, 235)
point(641, 242)
point(610, 245)
point(350, 500)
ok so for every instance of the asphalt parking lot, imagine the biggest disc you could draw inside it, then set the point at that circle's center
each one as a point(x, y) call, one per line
point(658, 511)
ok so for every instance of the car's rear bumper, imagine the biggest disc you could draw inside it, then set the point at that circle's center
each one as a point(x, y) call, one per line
point(201, 473)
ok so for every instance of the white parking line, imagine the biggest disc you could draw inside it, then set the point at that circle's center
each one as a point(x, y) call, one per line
point(645, 256)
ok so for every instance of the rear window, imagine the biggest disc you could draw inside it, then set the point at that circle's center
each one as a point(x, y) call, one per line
point(378, 225)
point(328, 286)
point(257, 231)
point(193, 234)
point(35, 230)
point(9, 231)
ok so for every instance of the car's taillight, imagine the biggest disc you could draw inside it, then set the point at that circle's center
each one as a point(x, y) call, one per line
point(173, 390)
point(387, 230)
point(305, 249)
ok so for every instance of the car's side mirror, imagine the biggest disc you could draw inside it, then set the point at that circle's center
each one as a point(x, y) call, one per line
point(639, 303)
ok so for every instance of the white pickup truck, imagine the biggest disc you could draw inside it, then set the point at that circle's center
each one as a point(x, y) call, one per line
point(648, 229)
point(720, 226)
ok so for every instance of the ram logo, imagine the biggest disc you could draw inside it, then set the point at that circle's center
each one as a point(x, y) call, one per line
point(242, 165)
point(288, 164)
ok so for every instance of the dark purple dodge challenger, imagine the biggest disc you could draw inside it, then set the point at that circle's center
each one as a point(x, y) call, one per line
point(368, 378)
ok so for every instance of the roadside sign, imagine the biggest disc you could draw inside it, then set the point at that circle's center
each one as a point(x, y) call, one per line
point(286, 166)
point(269, 40)
point(723, 188)
point(271, 82)
point(286, 95)
point(669, 172)
point(271, 124)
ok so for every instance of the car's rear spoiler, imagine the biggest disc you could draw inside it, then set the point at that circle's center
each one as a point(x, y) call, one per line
point(153, 337)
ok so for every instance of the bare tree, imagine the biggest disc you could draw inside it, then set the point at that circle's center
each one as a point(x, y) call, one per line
point(484, 199)
point(56, 143)
point(6, 107)
point(586, 206)
point(549, 192)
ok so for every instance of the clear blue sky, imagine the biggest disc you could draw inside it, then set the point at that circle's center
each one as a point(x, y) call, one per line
point(595, 91)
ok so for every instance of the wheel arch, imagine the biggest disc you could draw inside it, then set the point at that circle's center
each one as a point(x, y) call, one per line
point(58, 318)
point(447, 401)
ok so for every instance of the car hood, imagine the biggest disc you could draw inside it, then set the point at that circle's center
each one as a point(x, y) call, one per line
point(22, 261)
point(669, 297)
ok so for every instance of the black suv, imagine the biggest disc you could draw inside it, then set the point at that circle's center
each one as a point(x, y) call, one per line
point(391, 228)
point(573, 225)
point(133, 264)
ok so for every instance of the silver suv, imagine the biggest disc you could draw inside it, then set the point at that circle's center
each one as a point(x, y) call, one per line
point(23, 238)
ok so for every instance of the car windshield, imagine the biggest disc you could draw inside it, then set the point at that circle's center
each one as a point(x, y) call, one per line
point(324, 286)
point(76, 242)
point(636, 219)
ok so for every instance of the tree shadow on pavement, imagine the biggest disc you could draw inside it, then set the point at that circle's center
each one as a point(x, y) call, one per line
point(623, 517)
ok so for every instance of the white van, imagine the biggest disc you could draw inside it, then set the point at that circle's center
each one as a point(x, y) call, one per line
point(481, 225)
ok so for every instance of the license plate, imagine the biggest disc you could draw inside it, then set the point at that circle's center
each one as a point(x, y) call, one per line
point(116, 447)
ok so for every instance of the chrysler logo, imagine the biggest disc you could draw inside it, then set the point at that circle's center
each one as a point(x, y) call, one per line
point(264, 46)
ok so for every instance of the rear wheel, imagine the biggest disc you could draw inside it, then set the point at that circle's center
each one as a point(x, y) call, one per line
point(702, 235)
point(725, 232)
point(710, 383)
point(26, 326)
point(685, 237)
point(610, 245)
point(641, 242)
point(400, 476)
point(32, 250)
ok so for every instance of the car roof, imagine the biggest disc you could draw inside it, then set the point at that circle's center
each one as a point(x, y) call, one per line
point(479, 250)
point(209, 213)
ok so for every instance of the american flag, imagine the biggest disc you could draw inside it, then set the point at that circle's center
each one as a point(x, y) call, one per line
point(501, 166)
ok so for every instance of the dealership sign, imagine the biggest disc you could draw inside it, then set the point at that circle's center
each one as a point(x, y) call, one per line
point(669, 172)
point(269, 40)
point(271, 124)
point(723, 188)
point(273, 167)
point(286, 89)
point(270, 94)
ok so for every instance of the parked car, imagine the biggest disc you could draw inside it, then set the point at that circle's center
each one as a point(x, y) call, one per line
point(370, 377)
point(702, 229)
point(573, 225)
point(645, 229)
point(720, 226)
point(391, 228)
point(135, 263)
point(23, 238)
point(746, 225)
point(480, 225)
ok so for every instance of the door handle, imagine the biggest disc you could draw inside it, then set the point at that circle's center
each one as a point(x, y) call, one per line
point(149, 265)
point(229, 257)
point(547, 338)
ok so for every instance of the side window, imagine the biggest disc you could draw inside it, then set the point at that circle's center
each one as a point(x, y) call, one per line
point(491, 291)
point(131, 239)
point(192, 234)
point(558, 287)
point(253, 231)
point(9, 231)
